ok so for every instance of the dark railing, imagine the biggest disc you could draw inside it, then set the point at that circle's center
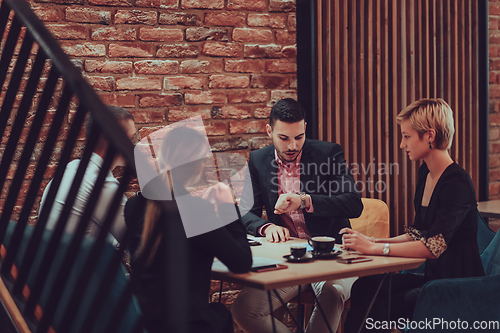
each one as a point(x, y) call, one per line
point(59, 282)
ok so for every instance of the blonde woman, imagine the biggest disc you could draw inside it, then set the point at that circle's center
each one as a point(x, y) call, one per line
point(445, 226)
point(148, 246)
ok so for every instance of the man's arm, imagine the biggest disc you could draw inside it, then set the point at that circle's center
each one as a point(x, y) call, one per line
point(253, 220)
point(106, 196)
point(342, 199)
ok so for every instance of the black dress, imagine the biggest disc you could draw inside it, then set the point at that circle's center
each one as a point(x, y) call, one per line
point(228, 244)
point(448, 227)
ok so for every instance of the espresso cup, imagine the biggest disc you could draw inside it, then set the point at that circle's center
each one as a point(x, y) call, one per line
point(297, 251)
point(322, 244)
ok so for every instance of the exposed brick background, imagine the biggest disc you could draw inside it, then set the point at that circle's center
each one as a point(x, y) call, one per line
point(167, 60)
point(494, 148)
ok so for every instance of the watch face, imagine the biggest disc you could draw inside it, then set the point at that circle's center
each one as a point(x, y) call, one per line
point(386, 249)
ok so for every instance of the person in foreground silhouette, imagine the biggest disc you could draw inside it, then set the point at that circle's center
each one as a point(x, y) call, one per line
point(149, 248)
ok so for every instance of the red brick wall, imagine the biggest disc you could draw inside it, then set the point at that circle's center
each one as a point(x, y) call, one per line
point(494, 26)
point(166, 60)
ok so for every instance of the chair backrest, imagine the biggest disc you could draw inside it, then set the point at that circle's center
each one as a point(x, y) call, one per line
point(484, 234)
point(491, 257)
point(374, 220)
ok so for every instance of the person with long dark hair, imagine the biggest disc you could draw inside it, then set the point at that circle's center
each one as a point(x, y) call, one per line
point(228, 243)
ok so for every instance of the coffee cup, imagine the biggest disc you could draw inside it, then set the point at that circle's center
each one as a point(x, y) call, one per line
point(297, 251)
point(322, 244)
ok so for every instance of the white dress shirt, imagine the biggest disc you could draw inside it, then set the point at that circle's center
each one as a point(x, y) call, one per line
point(101, 208)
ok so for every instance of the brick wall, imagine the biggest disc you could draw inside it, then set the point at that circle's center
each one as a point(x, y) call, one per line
point(167, 60)
point(494, 54)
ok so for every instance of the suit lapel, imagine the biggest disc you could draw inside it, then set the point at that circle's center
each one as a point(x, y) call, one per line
point(419, 193)
point(272, 178)
point(305, 160)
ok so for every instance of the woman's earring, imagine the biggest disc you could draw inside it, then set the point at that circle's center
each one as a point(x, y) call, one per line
point(430, 145)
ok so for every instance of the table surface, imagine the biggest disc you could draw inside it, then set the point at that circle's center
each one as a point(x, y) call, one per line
point(313, 271)
point(489, 208)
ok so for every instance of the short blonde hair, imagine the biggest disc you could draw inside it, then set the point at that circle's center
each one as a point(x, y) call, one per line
point(431, 113)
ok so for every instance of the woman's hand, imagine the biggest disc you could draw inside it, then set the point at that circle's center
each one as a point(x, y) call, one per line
point(355, 240)
point(219, 193)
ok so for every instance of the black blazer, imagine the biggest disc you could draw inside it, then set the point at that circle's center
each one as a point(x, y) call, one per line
point(452, 215)
point(324, 176)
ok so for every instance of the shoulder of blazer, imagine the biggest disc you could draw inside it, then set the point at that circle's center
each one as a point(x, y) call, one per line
point(454, 173)
point(315, 147)
point(263, 153)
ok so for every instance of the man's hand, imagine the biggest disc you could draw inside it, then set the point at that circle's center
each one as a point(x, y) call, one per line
point(275, 234)
point(287, 202)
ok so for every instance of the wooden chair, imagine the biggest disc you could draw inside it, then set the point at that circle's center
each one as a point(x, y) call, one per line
point(373, 222)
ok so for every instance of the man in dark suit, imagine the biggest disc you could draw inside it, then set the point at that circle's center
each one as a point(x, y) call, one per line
point(307, 190)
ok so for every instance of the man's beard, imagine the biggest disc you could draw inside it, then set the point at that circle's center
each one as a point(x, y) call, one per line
point(284, 157)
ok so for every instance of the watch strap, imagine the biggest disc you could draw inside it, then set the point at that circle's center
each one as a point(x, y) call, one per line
point(302, 200)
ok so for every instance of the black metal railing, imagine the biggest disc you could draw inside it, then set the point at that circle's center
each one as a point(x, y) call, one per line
point(58, 281)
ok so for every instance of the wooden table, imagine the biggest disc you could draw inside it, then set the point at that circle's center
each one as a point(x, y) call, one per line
point(489, 209)
point(314, 271)
point(309, 272)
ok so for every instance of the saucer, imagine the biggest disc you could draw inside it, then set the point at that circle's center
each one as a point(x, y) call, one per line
point(306, 258)
point(329, 255)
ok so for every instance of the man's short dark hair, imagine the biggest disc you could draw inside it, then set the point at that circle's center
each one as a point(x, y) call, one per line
point(119, 113)
point(287, 110)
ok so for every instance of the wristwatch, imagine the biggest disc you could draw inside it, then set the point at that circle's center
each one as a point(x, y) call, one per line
point(302, 200)
point(386, 249)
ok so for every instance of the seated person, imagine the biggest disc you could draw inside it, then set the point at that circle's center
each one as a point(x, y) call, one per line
point(148, 246)
point(307, 190)
point(126, 120)
point(445, 226)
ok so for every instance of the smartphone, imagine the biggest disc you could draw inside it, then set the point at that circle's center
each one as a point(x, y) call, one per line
point(353, 260)
point(268, 268)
